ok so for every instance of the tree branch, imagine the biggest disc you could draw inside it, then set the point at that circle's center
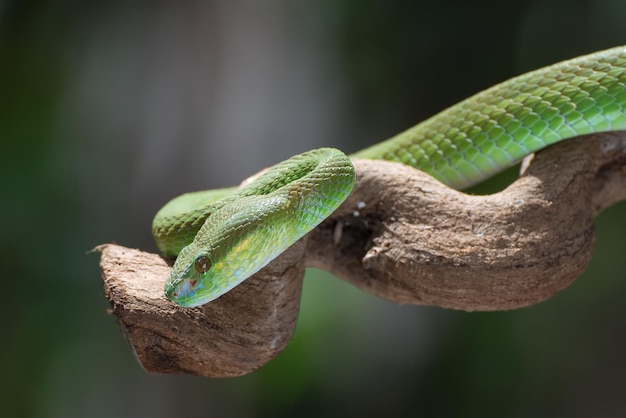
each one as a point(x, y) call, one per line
point(401, 236)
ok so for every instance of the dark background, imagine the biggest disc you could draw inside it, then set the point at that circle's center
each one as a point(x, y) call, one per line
point(108, 109)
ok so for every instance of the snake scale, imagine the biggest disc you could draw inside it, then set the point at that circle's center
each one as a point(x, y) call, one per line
point(222, 237)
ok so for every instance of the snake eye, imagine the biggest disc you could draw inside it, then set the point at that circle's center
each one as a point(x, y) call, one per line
point(202, 264)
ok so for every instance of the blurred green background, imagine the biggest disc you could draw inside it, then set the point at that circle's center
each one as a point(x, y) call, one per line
point(108, 109)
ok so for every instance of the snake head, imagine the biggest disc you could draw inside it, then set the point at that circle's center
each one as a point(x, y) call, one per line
point(199, 277)
point(234, 243)
point(184, 285)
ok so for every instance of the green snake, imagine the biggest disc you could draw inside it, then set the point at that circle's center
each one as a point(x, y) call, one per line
point(222, 237)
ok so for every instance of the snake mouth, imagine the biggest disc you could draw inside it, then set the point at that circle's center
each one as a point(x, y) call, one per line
point(181, 288)
point(182, 293)
point(189, 289)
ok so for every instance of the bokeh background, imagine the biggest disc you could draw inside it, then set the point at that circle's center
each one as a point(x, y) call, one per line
point(108, 109)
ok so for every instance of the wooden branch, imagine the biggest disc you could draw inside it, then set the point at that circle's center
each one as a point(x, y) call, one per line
point(231, 336)
point(402, 236)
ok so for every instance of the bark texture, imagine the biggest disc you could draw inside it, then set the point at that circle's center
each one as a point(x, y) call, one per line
point(401, 236)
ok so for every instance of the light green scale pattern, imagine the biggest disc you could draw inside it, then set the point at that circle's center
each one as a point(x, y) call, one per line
point(461, 146)
point(252, 226)
point(177, 223)
point(496, 128)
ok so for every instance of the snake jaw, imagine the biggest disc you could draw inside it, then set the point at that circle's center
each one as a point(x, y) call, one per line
point(188, 288)
point(180, 287)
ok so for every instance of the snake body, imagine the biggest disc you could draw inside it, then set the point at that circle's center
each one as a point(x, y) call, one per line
point(222, 237)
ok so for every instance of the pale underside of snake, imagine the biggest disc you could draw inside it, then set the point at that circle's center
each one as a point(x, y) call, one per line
point(222, 237)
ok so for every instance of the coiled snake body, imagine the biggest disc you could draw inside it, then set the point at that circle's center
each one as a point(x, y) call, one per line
point(222, 237)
